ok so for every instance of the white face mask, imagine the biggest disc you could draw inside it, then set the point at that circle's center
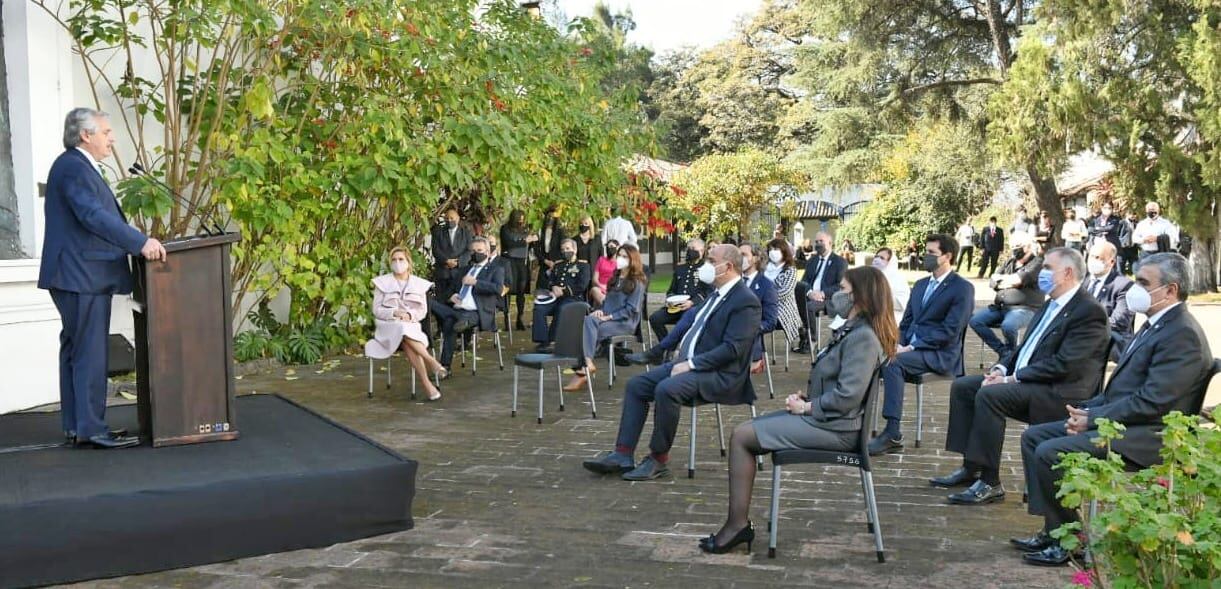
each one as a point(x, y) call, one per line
point(620, 262)
point(1139, 299)
point(775, 256)
point(707, 273)
point(1096, 267)
point(398, 266)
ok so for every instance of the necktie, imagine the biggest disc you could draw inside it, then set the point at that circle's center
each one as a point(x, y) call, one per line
point(817, 269)
point(1096, 288)
point(466, 288)
point(822, 267)
point(1033, 340)
point(928, 292)
point(688, 343)
point(1136, 338)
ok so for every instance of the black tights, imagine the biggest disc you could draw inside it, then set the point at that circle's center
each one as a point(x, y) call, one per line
point(743, 448)
point(521, 305)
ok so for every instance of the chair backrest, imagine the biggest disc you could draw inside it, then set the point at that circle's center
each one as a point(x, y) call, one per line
point(568, 330)
point(1204, 387)
point(869, 417)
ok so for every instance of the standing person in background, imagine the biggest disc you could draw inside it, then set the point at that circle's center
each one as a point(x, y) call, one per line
point(84, 264)
point(1106, 227)
point(547, 247)
point(1155, 233)
point(589, 247)
point(966, 241)
point(620, 230)
point(848, 252)
point(604, 271)
point(912, 252)
point(516, 240)
point(1021, 223)
point(992, 242)
point(1045, 231)
point(1074, 232)
point(1129, 249)
point(451, 249)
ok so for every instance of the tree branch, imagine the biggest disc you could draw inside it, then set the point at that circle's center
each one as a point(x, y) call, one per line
point(942, 84)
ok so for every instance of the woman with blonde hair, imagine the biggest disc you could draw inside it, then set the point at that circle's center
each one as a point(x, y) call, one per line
point(830, 414)
point(400, 302)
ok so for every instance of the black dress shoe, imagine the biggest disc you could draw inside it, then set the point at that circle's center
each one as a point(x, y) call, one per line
point(70, 436)
point(1035, 543)
point(611, 463)
point(648, 470)
point(744, 536)
point(107, 442)
point(542, 349)
point(961, 477)
point(884, 444)
point(519, 326)
point(649, 356)
point(1052, 556)
point(980, 493)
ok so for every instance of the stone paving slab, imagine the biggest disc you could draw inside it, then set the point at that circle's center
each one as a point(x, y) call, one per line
point(503, 502)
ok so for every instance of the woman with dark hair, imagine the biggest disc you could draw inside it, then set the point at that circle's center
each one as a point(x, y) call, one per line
point(515, 240)
point(782, 271)
point(620, 312)
point(604, 269)
point(830, 415)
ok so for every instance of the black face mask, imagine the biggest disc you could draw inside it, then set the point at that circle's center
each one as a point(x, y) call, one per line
point(611, 250)
point(443, 223)
point(1152, 215)
point(931, 263)
point(693, 255)
point(570, 256)
point(1018, 252)
point(820, 249)
point(584, 228)
point(479, 257)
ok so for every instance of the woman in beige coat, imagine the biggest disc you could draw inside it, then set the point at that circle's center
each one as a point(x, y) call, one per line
point(399, 304)
point(830, 413)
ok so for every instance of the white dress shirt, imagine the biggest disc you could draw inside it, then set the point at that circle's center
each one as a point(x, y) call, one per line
point(1154, 227)
point(467, 303)
point(620, 230)
point(96, 165)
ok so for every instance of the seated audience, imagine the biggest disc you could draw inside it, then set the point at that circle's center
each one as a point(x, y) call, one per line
point(604, 270)
point(684, 282)
point(566, 282)
point(400, 301)
point(474, 304)
point(929, 334)
point(1017, 297)
point(711, 366)
point(1110, 289)
point(886, 261)
point(830, 415)
point(620, 312)
point(1165, 368)
point(781, 270)
point(1059, 362)
point(818, 283)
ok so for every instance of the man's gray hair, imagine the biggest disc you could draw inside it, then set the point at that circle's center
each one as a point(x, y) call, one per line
point(483, 240)
point(568, 240)
point(1173, 269)
point(695, 242)
point(1071, 258)
point(730, 254)
point(80, 119)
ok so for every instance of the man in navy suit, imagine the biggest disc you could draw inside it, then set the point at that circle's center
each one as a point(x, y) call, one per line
point(84, 263)
point(763, 290)
point(819, 282)
point(712, 365)
point(930, 334)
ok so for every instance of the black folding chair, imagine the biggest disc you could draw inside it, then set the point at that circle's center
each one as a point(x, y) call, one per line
point(858, 458)
point(568, 354)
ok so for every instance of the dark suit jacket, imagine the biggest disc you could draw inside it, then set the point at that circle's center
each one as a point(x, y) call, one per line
point(765, 291)
point(486, 292)
point(87, 236)
point(1114, 299)
point(841, 376)
point(557, 236)
point(830, 278)
point(1110, 229)
point(503, 263)
point(992, 240)
point(572, 277)
point(1068, 357)
point(939, 326)
point(1164, 370)
point(1031, 296)
point(685, 282)
point(445, 249)
point(722, 354)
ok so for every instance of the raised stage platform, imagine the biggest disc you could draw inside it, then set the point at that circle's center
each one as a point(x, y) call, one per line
point(293, 480)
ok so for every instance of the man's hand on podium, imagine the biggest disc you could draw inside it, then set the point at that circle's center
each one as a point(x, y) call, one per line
point(153, 250)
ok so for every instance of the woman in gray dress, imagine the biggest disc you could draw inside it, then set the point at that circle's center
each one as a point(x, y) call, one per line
point(830, 415)
point(620, 312)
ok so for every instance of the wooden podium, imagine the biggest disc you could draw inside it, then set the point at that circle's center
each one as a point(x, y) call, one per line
point(184, 343)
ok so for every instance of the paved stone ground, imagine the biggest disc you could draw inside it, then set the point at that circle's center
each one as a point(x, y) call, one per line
point(504, 502)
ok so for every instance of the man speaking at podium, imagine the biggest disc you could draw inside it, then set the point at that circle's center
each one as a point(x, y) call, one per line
point(84, 263)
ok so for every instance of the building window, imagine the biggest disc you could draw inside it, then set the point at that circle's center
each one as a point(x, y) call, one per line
point(10, 225)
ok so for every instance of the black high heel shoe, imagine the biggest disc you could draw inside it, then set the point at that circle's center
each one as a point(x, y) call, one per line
point(745, 535)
